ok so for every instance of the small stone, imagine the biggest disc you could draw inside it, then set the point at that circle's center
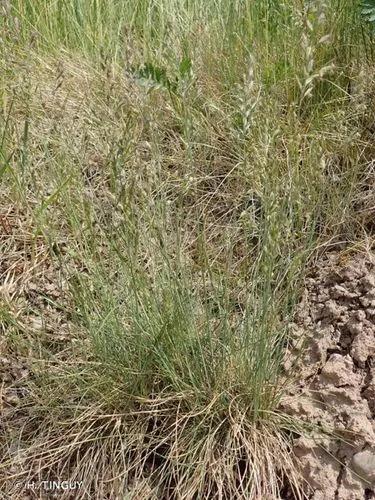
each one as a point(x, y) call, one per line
point(364, 465)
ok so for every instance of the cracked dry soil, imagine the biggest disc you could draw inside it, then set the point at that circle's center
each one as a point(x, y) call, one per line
point(336, 384)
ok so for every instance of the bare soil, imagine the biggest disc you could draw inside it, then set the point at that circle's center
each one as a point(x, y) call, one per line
point(336, 387)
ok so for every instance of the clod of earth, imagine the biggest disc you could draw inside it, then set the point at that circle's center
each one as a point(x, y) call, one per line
point(364, 464)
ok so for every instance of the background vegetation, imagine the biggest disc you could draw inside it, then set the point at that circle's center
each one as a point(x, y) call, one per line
point(168, 170)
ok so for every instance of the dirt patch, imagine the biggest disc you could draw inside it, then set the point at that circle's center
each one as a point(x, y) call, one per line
point(337, 386)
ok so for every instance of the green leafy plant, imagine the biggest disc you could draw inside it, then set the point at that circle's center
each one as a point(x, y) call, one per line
point(368, 10)
point(185, 68)
point(152, 76)
point(156, 77)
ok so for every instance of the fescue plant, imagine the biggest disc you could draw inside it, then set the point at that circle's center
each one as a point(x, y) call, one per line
point(167, 171)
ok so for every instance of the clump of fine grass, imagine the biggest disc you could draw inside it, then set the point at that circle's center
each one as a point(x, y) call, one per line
point(182, 191)
point(162, 441)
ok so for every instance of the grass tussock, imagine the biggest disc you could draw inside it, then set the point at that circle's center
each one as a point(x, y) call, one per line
point(167, 170)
